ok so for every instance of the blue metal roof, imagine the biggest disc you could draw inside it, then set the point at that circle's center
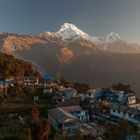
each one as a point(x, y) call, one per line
point(5, 82)
point(48, 77)
point(2, 82)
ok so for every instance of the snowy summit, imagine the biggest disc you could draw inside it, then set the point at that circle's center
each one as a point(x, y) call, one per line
point(112, 37)
point(70, 31)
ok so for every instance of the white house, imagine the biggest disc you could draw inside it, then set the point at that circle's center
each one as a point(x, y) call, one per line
point(92, 93)
point(131, 98)
point(128, 98)
point(66, 120)
point(125, 112)
point(137, 105)
point(29, 81)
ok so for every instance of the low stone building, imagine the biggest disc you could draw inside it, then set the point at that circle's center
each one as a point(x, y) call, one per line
point(66, 120)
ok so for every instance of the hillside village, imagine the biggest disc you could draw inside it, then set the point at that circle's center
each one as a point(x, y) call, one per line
point(72, 108)
point(69, 70)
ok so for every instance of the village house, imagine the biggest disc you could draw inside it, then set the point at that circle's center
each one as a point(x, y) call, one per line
point(65, 95)
point(125, 112)
point(131, 98)
point(66, 120)
point(48, 84)
point(48, 78)
point(47, 89)
point(58, 97)
point(59, 100)
point(61, 88)
point(92, 93)
point(118, 96)
point(69, 93)
point(29, 81)
point(137, 105)
point(77, 111)
point(122, 97)
point(4, 86)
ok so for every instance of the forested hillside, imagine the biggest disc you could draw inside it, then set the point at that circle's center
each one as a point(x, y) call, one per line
point(9, 66)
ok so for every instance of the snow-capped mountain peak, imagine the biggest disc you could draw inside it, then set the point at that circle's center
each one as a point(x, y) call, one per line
point(69, 25)
point(112, 37)
point(70, 31)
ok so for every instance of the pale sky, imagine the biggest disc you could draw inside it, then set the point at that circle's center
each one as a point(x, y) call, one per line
point(96, 17)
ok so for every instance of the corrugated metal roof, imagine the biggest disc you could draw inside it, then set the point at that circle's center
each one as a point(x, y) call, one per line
point(61, 114)
point(5, 82)
point(72, 108)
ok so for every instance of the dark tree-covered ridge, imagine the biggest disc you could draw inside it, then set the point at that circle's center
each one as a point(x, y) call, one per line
point(9, 66)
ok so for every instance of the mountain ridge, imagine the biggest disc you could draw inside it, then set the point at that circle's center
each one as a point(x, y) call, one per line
point(78, 59)
point(70, 33)
point(65, 36)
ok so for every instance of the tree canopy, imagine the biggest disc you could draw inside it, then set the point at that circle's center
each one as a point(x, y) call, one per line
point(9, 66)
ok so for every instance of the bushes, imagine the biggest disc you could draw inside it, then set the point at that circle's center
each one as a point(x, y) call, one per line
point(10, 131)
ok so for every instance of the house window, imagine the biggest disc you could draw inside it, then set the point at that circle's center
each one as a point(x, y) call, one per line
point(71, 131)
point(114, 110)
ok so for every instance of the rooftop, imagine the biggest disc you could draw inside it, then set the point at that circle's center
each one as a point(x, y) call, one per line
point(62, 114)
point(126, 109)
point(69, 90)
point(94, 90)
point(71, 108)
